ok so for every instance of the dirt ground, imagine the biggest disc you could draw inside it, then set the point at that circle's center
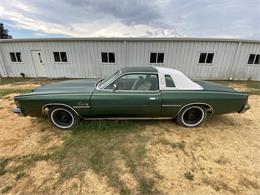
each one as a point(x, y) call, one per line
point(220, 157)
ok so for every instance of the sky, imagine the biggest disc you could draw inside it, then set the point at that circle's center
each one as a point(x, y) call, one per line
point(131, 18)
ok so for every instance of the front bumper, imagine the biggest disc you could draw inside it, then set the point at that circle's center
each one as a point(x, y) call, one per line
point(18, 111)
point(245, 108)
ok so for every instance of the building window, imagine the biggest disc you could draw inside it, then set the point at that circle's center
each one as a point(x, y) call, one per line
point(15, 56)
point(168, 81)
point(156, 58)
point(108, 57)
point(60, 56)
point(206, 58)
point(254, 59)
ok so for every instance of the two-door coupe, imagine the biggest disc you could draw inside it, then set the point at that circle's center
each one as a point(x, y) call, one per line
point(132, 93)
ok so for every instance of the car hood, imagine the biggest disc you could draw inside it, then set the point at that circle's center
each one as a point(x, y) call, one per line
point(65, 87)
point(211, 86)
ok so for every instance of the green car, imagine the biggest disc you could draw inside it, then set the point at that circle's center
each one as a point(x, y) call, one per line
point(131, 93)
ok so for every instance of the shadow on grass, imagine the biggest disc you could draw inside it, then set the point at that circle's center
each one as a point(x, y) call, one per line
point(99, 145)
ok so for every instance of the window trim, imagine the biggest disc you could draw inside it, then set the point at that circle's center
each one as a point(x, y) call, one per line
point(15, 55)
point(104, 88)
point(156, 63)
point(108, 63)
point(207, 52)
point(60, 57)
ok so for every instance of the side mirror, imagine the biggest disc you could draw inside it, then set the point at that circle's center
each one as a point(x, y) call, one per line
point(114, 87)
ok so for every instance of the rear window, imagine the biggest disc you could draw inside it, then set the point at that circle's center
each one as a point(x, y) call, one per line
point(168, 81)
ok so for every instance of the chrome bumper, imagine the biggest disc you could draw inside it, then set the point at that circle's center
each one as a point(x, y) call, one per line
point(18, 111)
point(245, 108)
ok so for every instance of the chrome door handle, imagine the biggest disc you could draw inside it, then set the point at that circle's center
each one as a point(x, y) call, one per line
point(152, 98)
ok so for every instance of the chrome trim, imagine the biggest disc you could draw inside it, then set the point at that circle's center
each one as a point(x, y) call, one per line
point(158, 93)
point(203, 91)
point(81, 106)
point(128, 118)
point(18, 111)
point(58, 104)
point(245, 108)
point(156, 73)
point(40, 94)
point(176, 105)
point(194, 103)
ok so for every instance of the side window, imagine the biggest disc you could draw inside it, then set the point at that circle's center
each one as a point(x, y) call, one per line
point(206, 58)
point(15, 56)
point(108, 57)
point(168, 81)
point(156, 58)
point(254, 59)
point(140, 82)
point(60, 56)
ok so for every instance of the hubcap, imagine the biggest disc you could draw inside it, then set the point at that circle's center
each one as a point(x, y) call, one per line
point(62, 118)
point(193, 116)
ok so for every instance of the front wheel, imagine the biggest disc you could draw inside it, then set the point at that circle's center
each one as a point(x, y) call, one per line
point(192, 116)
point(62, 117)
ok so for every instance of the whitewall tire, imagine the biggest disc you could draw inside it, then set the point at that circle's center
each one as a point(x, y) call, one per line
point(192, 116)
point(62, 117)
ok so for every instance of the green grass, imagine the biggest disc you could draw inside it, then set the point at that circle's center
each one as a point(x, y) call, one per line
point(189, 176)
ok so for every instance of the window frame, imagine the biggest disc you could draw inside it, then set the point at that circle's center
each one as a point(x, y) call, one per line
point(131, 73)
point(15, 57)
point(255, 57)
point(156, 57)
point(59, 52)
point(206, 63)
point(166, 82)
point(108, 58)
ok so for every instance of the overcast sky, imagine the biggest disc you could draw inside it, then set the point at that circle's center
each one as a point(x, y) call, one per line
point(132, 18)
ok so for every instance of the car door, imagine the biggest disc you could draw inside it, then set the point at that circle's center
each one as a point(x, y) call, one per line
point(131, 95)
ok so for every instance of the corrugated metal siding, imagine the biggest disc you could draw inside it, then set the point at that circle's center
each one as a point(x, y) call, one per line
point(2, 67)
point(84, 57)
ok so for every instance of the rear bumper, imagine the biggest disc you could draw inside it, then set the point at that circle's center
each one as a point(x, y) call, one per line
point(18, 111)
point(245, 108)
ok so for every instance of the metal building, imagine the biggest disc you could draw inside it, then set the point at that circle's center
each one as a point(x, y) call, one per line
point(199, 58)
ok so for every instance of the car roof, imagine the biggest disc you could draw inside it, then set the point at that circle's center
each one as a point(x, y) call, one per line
point(137, 69)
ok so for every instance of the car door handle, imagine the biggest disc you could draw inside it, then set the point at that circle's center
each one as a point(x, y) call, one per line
point(153, 98)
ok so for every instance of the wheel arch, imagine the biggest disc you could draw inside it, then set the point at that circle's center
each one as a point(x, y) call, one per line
point(209, 108)
point(47, 106)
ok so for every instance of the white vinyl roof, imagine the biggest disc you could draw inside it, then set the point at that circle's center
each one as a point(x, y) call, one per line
point(181, 81)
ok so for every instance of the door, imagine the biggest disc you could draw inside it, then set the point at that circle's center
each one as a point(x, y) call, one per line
point(132, 95)
point(38, 63)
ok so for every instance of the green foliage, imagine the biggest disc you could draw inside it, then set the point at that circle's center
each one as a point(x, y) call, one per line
point(189, 176)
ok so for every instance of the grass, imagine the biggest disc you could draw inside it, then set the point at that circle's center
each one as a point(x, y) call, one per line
point(98, 146)
point(189, 176)
point(252, 87)
point(4, 92)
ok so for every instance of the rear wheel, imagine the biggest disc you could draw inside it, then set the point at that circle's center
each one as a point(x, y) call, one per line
point(192, 116)
point(62, 117)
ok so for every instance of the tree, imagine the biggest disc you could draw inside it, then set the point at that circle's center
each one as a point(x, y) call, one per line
point(4, 33)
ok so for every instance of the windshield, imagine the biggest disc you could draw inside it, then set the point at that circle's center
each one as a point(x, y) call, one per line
point(109, 79)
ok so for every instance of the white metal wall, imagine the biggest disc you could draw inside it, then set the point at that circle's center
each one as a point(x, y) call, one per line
point(84, 57)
